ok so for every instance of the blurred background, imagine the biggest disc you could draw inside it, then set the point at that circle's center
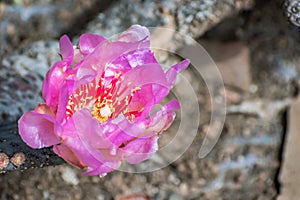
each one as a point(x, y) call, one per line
point(253, 43)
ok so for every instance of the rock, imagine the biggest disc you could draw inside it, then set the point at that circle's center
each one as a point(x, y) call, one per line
point(290, 170)
point(274, 55)
point(233, 61)
point(194, 18)
point(21, 78)
point(135, 196)
point(69, 175)
point(231, 96)
point(48, 19)
point(263, 108)
point(188, 17)
point(175, 196)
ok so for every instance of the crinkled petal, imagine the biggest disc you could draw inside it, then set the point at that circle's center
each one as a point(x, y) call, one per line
point(77, 60)
point(137, 37)
point(64, 93)
point(51, 87)
point(74, 144)
point(89, 132)
point(145, 99)
point(120, 131)
point(143, 146)
point(162, 119)
point(88, 42)
point(136, 33)
point(59, 73)
point(105, 54)
point(68, 155)
point(85, 75)
point(44, 109)
point(142, 76)
point(66, 49)
point(149, 84)
point(74, 151)
point(38, 130)
point(140, 149)
point(131, 60)
point(175, 70)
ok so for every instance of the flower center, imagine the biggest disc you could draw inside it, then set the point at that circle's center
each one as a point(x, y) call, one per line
point(105, 111)
point(93, 96)
point(102, 113)
point(104, 99)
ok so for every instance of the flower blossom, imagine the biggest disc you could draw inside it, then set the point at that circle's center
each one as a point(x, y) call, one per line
point(98, 100)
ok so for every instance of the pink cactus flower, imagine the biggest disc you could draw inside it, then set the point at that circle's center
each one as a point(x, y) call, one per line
point(98, 100)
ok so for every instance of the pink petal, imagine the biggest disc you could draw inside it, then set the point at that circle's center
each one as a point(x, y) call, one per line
point(66, 49)
point(88, 42)
point(144, 145)
point(136, 33)
point(77, 156)
point(152, 86)
point(38, 130)
point(68, 155)
point(56, 79)
point(75, 152)
point(52, 84)
point(141, 76)
point(140, 149)
point(44, 109)
point(162, 119)
point(175, 70)
point(119, 131)
point(137, 37)
point(146, 98)
point(64, 93)
point(131, 60)
point(74, 144)
point(89, 132)
point(104, 54)
point(77, 60)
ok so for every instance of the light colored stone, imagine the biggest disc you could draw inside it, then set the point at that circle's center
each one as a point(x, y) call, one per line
point(21, 78)
point(264, 108)
point(69, 176)
point(290, 171)
point(233, 61)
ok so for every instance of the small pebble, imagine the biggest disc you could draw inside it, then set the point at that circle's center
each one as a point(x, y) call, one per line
point(3, 161)
point(18, 159)
point(69, 176)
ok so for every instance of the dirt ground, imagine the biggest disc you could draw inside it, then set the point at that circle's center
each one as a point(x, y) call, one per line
point(257, 54)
